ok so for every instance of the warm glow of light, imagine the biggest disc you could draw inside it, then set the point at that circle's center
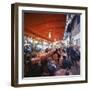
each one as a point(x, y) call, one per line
point(49, 35)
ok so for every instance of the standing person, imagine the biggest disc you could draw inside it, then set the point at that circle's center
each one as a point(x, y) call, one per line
point(68, 51)
point(51, 67)
point(71, 53)
point(77, 56)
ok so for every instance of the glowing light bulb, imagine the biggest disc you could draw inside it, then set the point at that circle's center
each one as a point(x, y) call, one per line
point(49, 34)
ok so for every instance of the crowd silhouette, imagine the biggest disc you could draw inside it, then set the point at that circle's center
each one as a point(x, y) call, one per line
point(52, 62)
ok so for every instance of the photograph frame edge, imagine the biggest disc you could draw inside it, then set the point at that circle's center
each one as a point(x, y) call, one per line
point(14, 44)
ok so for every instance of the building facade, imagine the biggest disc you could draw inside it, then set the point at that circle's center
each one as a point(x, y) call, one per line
point(72, 29)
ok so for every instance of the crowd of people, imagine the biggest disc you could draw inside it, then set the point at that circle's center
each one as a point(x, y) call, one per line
point(52, 62)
